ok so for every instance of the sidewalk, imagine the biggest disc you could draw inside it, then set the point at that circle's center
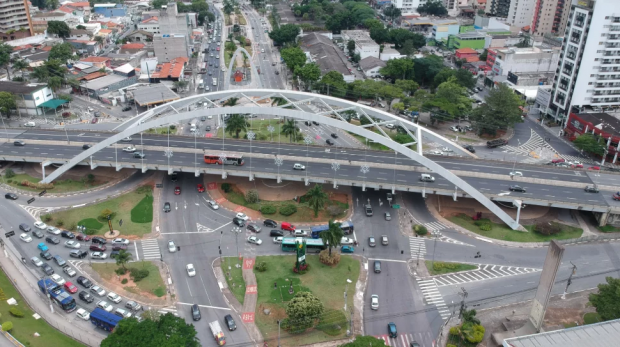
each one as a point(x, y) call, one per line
point(25, 282)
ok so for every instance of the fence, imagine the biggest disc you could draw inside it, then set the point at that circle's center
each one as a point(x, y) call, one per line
point(586, 239)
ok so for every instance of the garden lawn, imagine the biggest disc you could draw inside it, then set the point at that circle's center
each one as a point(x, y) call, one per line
point(236, 277)
point(60, 186)
point(125, 207)
point(609, 229)
point(591, 318)
point(325, 282)
point(25, 327)
point(152, 284)
point(503, 232)
point(262, 134)
point(440, 267)
point(304, 212)
point(160, 131)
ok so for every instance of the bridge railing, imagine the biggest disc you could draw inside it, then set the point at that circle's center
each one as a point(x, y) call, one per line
point(587, 239)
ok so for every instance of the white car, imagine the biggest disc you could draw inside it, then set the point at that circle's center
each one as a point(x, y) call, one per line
point(115, 298)
point(278, 239)
point(25, 237)
point(40, 225)
point(98, 255)
point(447, 149)
point(53, 230)
point(516, 173)
point(454, 128)
point(243, 216)
point(105, 305)
point(346, 241)
point(300, 233)
point(36, 261)
point(72, 244)
point(374, 302)
point(389, 126)
point(171, 246)
point(435, 152)
point(255, 240)
point(58, 279)
point(191, 272)
point(97, 290)
point(129, 149)
point(82, 313)
point(69, 271)
point(120, 242)
point(298, 166)
point(213, 205)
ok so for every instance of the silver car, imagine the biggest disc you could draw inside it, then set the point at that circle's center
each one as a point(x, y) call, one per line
point(213, 205)
point(36, 261)
point(171, 246)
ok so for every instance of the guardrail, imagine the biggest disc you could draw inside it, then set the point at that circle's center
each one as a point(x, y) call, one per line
point(587, 239)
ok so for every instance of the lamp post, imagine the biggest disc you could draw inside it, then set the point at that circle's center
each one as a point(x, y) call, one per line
point(236, 231)
point(308, 141)
point(279, 161)
point(5, 129)
point(335, 167)
point(251, 135)
point(271, 129)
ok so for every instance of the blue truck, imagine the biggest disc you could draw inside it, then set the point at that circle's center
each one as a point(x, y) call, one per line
point(104, 320)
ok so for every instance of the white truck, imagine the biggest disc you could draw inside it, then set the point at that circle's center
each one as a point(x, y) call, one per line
point(193, 125)
point(218, 333)
point(201, 85)
point(214, 81)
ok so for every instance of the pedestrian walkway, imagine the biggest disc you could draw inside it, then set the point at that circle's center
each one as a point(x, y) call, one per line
point(403, 340)
point(485, 272)
point(417, 247)
point(432, 296)
point(250, 299)
point(150, 249)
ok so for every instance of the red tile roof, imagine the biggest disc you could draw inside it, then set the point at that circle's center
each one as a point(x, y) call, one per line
point(150, 19)
point(47, 48)
point(104, 31)
point(132, 46)
point(173, 69)
point(466, 50)
point(79, 4)
point(65, 9)
point(472, 59)
point(21, 48)
point(95, 59)
point(92, 76)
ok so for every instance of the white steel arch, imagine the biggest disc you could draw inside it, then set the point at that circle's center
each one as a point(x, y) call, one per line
point(297, 114)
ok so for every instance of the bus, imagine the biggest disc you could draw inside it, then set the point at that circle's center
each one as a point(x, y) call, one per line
point(347, 228)
point(231, 159)
point(57, 294)
point(203, 68)
point(289, 244)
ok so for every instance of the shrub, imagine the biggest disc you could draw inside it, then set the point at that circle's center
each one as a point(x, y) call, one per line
point(138, 274)
point(103, 216)
point(226, 187)
point(7, 326)
point(327, 260)
point(268, 209)
point(9, 173)
point(261, 267)
point(15, 312)
point(335, 210)
point(90, 178)
point(251, 196)
point(477, 335)
point(288, 209)
point(9, 181)
point(124, 281)
point(486, 227)
point(450, 345)
point(547, 228)
point(454, 331)
point(173, 127)
point(60, 223)
point(46, 218)
point(420, 229)
point(120, 271)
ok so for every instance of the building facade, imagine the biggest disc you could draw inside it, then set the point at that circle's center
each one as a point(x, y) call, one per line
point(364, 45)
point(498, 8)
point(15, 15)
point(529, 60)
point(520, 12)
point(111, 10)
point(588, 73)
point(550, 16)
point(28, 96)
point(174, 38)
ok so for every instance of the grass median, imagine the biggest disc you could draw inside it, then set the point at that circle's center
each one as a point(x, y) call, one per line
point(60, 186)
point(327, 283)
point(440, 267)
point(134, 208)
point(25, 327)
point(152, 284)
point(234, 277)
point(503, 232)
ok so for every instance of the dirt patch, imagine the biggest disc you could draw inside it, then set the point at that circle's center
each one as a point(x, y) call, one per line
point(114, 283)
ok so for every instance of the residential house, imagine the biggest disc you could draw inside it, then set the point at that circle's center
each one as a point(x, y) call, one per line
point(110, 10)
point(28, 96)
point(121, 77)
point(106, 34)
point(85, 46)
point(371, 66)
point(39, 26)
point(99, 62)
point(80, 34)
point(130, 48)
point(364, 45)
point(322, 51)
point(172, 70)
point(390, 53)
point(140, 36)
point(49, 16)
point(150, 24)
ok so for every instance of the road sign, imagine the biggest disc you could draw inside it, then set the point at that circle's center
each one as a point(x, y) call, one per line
point(30, 201)
point(396, 206)
point(120, 223)
point(9, 233)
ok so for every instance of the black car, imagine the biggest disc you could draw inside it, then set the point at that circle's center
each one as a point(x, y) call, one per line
point(99, 240)
point(253, 227)
point(118, 247)
point(53, 240)
point(126, 108)
point(67, 234)
point(308, 123)
point(24, 227)
point(470, 148)
point(334, 135)
point(86, 146)
point(85, 296)
point(591, 189)
point(230, 322)
point(329, 142)
point(76, 253)
point(315, 123)
point(270, 223)
point(37, 234)
point(84, 282)
point(46, 255)
point(239, 222)
point(208, 128)
point(196, 312)
point(516, 188)
point(174, 177)
point(47, 269)
point(19, 143)
point(276, 233)
point(11, 196)
point(167, 207)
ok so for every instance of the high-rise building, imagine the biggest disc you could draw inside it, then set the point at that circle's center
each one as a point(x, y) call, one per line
point(550, 16)
point(588, 73)
point(15, 15)
point(520, 12)
point(173, 39)
point(498, 8)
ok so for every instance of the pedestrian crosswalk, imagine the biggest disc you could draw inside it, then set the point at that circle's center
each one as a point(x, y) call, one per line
point(150, 249)
point(484, 272)
point(36, 212)
point(432, 296)
point(417, 247)
point(402, 340)
point(539, 151)
point(434, 226)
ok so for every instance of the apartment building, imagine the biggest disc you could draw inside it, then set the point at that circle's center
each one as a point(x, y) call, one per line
point(520, 12)
point(173, 41)
point(15, 16)
point(550, 16)
point(588, 73)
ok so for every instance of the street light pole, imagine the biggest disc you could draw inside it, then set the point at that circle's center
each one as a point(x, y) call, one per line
point(5, 129)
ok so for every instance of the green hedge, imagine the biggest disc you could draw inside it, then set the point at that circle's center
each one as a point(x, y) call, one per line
point(288, 210)
point(268, 209)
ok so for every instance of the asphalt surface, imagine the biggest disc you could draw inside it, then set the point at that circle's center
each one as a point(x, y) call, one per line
point(213, 56)
point(265, 53)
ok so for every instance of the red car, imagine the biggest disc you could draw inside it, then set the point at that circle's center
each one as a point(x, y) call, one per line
point(98, 248)
point(83, 237)
point(594, 168)
point(616, 196)
point(577, 166)
point(70, 287)
point(177, 191)
point(201, 188)
point(559, 160)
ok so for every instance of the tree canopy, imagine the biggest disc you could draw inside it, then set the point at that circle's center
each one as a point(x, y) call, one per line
point(332, 83)
point(7, 103)
point(167, 331)
point(463, 77)
point(590, 143)
point(62, 52)
point(348, 16)
point(293, 57)
point(59, 28)
point(332, 236)
point(365, 341)
point(5, 56)
point(308, 73)
point(398, 69)
point(433, 7)
point(285, 34)
point(303, 310)
point(607, 300)
point(426, 69)
point(500, 111)
point(317, 198)
point(451, 98)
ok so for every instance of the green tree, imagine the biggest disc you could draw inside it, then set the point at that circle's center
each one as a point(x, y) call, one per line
point(483, 55)
point(303, 309)
point(40, 73)
point(309, 73)
point(317, 198)
point(380, 34)
point(426, 68)
point(372, 23)
point(62, 52)
point(451, 98)
point(54, 83)
point(80, 27)
point(231, 102)
point(51, 4)
point(408, 86)
point(276, 100)
point(465, 78)
point(442, 77)
point(286, 33)
point(59, 28)
point(5, 57)
point(398, 69)
point(20, 65)
point(590, 143)
point(390, 92)
point(235, 124)
point(433, 7)
point(525, 41)
point(351, 47)
point(123, 258)
point(607, 300)
point(99, 39)
point(332, 236)
point(365, 341)
point(332, 83)
point(228, 7)
point(293, 57)
point(500, 110)
point(408, 48)
point(180, 85)
point(290, 129)
point(167, 331)
point(7, 103)
point(469, 316)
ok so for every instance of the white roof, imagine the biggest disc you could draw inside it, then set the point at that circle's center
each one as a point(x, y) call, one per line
point(126, 68)
point(605, 334)
point(105, 5)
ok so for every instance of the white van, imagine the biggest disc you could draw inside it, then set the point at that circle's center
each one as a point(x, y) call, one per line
point(427, 178)
point(30, 125)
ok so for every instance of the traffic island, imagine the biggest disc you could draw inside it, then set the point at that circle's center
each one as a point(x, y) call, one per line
point(130, 213)
point(142, 280)
point(442, 268)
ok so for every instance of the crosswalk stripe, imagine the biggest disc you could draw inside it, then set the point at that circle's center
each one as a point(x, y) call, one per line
point(484, 272)
point(150, 249)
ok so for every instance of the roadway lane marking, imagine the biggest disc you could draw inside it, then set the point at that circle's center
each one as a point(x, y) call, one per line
point(389, 260)
point(135, 245)
point(188, 286)
point(206, 306)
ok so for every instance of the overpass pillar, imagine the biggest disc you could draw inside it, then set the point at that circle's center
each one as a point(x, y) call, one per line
point(119, 167)
point(224, 175)
point(306, 181)
point(197, 173)
point(92, 165)
point(424, 192)
point(363, 187)
point(602, 221)
point(144, 169)
point(170, 171)
point(615, 158)
point(518, 204)
point(43, 165)
point(251, 177)
point(279, 179)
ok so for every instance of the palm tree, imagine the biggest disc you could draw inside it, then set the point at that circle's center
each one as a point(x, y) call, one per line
point(231, 102)
point(20, 65)
point(470, 316)
point(40, 73)
point(235, 124)
point(278, 101)
point(290, 128)
point(316, 198)
point(123, 258)
point(332, 236)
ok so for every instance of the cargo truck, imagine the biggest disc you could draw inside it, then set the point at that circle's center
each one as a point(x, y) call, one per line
point(218, 333)
point(496, 143)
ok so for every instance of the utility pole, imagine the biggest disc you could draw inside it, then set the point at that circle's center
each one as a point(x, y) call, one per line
point(569, 280)
point(463, 307)
point(279, 322)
